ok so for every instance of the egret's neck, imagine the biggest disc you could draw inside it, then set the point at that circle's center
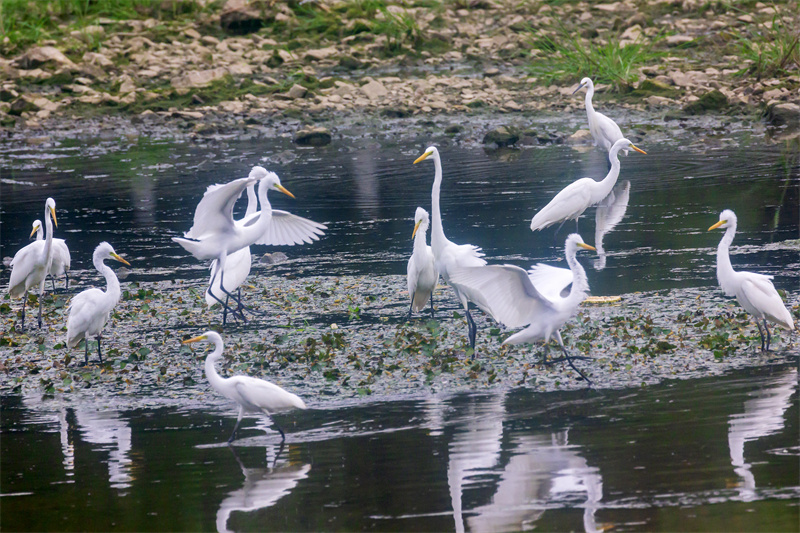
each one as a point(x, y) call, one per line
point(580, 284)
point(39, 233)
point(250, 234)
point(438, 238)
point(48, 242)
point(252, 201)
point(420, 243)
point(605, 186)
point(724, 267)
point(588, 100)
point(217, 382)
point(112, 283)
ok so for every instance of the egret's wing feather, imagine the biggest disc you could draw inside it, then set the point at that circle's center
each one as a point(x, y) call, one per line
point(266, 395)
point(569, 203)
point(506, 290)
point(214, 213)
point(550, 280)
point(286, 229)
point(758, 290)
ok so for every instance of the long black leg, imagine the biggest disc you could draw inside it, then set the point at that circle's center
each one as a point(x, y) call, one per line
point(53, 281)
point(758, 325)
point(99, 353)
point(85, 351)
point(240, 307)
point(472, 331)
point(66, 280)
point(432, 304)
point(769, 337)
point(225, 312)
point(569, 360)
point(41, 301)
point(283, 437)
point(236, 426)
point(217, 298)
point(24, 302)
point(410, 308)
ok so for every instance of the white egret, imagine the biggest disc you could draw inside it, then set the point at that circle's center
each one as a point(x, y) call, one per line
point(252, 394)
point(31, 264)
point(755, 292)
point(215, 234)
point(90, 310)
point(237, 265)
point(421, 272)
point(534, 299)
point(605, 131)
point(575, 198)
point(447, 254)
point(61, 256)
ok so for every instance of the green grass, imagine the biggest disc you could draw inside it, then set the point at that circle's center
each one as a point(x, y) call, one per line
point(773, 47)
point(567, 57)
point(26, 22)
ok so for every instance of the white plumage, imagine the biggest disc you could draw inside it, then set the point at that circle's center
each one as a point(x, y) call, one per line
point(534, 299)
point(605, 131)
point(31, 265)
point(575, 198)
point(421, 272)
point(449, 255)
point(755, 292)
point(252, 394)
point(90, 310)
point(60, 263)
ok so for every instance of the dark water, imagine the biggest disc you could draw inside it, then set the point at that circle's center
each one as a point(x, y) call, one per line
point(711, 454)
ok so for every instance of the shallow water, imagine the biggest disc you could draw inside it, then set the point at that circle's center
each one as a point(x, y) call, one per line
point(715, 453)
point(708, 454)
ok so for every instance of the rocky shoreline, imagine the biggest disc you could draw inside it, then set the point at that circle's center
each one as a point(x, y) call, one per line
point(463, 59)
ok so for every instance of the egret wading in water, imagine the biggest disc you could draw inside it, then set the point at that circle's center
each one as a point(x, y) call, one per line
point(535, 298)
point(59, 266)
point(215, 234)
point(90, 310)
point(575, 198)
point(252, 394)
point(755, 292)
point(449, 255)
point(31, 265)
point(605, 131)
point(421, 272)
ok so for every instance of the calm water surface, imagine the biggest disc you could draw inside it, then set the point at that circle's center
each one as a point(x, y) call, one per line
point(713, 454)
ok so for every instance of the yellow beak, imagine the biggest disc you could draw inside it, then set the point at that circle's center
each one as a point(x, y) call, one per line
point(33, 232)
point(284, 190)
point(194, 339)
point(423, 157)
point(587, 247)
point(121, 260)
point(639, 150)
point(718, 224)
point(416, 227)
point(53, 214)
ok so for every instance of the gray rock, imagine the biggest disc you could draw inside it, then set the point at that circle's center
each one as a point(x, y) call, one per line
point(501, 136)
point(374, 89)
point(780, 114)
point(21, 105)
point(273, 258)
point(297, 91)
point(245, 16)
point(312, 137)
point(42, 55)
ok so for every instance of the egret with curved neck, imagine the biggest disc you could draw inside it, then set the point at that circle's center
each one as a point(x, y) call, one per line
point(421, 273)
point(252, 394)
point(575, 198)
point(31, 265)
point(534, 299)
point(446, 253)
point(755, 292)
point(90, 310)
point(605, 131)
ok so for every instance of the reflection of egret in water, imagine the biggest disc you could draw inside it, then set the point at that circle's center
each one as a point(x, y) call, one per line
point(50, 414)
point(263, 487)
point(610, 211)
point(544, 472)
point(107, 429)
point(67, 446)
point(763, 416)
point(475, 448)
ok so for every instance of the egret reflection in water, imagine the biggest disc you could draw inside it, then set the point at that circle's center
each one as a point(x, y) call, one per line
point(109, 430)
point(262, 488)
point(763, 416)
point(610, 212)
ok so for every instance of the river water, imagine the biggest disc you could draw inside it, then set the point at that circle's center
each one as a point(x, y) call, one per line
point(715, 453)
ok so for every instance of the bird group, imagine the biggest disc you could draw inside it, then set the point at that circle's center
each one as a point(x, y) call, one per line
point(541, 300)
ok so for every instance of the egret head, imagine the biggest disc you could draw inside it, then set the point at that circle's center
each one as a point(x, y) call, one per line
point(51, 207)
point(271, 181)
point(576, 241)
point(37, 226)
point(106, 251)
point(624, 144)
point(429, 151)
point(209, 336)
point(727, 219)
point(420, 220)
point(585, 82)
